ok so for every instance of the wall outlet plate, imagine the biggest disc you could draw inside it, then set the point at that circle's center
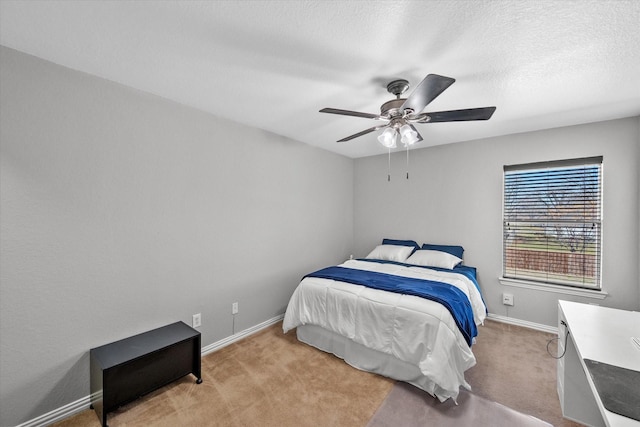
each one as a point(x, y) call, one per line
point(196, 320)
point(507, 299)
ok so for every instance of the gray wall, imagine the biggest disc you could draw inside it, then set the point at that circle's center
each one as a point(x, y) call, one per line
point(122, 212)
point(454, 196)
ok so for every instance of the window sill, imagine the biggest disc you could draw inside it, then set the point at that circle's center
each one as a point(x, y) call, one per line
point(559, 289)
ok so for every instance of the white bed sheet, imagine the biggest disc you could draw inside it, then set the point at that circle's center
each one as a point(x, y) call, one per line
point(413, 330)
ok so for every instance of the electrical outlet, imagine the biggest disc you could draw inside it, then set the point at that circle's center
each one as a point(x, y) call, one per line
point(196, 320)
point(234, 308)
point(507, 299)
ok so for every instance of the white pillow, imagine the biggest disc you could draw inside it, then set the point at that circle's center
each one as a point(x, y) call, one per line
point(429, 258)
point(391, 252)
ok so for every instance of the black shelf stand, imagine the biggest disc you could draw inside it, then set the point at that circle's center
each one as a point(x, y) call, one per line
point(125, 370)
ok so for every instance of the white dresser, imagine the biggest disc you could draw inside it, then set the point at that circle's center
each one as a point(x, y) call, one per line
point(596, 333)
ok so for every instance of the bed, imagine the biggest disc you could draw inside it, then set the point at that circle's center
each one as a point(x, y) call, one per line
point(407, 312)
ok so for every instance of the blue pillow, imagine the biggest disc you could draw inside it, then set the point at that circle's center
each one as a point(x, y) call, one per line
point(411, 243)
point(453, 250)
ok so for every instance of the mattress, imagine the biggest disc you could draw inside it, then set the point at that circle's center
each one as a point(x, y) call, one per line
point(404, 337)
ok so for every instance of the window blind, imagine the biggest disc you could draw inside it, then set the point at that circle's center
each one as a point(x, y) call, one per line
point(552, 222)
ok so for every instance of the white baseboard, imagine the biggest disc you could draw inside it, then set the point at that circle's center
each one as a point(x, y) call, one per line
point(59, 414)
point(240, 335)
point(523, 323)
point(82, 404)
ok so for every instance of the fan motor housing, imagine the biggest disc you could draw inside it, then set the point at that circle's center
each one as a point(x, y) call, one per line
point(392, 108)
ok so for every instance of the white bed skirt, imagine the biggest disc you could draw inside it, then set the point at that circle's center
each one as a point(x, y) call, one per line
point(369, 360)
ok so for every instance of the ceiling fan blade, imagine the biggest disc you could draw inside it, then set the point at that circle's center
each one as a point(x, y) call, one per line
point(350, 113)
point(418, 133)
point(428, 90)
point(364, 132)
point(459, 115)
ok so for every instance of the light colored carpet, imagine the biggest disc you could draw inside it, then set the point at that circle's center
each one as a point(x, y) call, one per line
point(271, 379)
point(408, 406)
point(268, 379)
point(514, 369)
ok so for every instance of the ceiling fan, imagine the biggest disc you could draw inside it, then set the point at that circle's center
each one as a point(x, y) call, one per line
point(401, 114)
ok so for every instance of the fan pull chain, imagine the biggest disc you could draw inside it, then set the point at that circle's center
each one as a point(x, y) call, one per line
point(389, 167)
point(407, 161)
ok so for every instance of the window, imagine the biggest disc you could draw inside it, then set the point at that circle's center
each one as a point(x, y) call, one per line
point(552, 222)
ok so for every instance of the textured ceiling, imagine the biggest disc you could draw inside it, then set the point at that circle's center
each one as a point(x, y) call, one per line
point(274, 64)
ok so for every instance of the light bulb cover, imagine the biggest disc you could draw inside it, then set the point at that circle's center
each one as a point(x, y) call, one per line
point(409, 136)
point(388, 138)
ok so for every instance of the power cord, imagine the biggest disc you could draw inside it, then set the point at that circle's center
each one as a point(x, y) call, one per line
point(566, 337)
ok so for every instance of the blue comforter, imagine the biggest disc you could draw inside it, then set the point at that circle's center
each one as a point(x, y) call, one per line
point(448, 295)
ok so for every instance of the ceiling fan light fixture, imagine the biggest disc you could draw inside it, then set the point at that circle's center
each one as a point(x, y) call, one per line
point(409, 136)
point(388, 138)
point(402, 113)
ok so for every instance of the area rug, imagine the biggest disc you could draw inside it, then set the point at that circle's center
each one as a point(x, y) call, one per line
point(409, 406)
